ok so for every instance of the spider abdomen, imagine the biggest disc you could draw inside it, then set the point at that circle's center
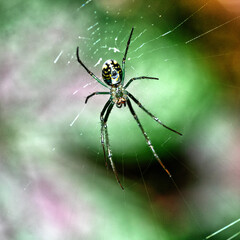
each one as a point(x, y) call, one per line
point(112, 72)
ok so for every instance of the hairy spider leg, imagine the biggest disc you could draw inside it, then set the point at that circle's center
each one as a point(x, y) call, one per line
point(125, 56)
point(137, 78)
point(104, 128)
point(150, 114)
point(96, 78)
point(146, 137)
point(95, 93)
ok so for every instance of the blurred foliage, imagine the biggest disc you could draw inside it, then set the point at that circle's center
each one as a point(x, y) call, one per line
point(54, 184)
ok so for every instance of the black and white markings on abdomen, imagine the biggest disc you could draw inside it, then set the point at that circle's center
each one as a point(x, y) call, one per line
point(112, 72)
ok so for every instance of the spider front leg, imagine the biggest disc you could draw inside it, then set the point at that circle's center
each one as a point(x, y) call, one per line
point(150, 114)
point(104, 133)
point(125, 56)
point(146, 137)
point(89, 72)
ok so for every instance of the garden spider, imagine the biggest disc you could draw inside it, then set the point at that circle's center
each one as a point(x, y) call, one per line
point(113, 76)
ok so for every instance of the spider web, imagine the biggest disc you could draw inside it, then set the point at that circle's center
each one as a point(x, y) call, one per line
point(160, 47)
point(193, 49)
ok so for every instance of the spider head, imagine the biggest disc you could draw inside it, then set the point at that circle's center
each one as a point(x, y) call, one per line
point(112, 73)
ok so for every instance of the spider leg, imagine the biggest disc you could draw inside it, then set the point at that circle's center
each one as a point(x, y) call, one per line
point(150, 114)
point(95, 93)
point(104, 128)
point(125, 55)
point(137, 78)
point(96, 78)
point(146, 137)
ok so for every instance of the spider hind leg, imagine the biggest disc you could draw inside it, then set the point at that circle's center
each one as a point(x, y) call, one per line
point(104, 135)
point(102, 130)
point(146, 137)
point(151, 115)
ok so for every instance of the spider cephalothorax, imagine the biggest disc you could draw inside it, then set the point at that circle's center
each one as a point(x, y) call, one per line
point(113, 76)
point(112, 72)
point(119, 95)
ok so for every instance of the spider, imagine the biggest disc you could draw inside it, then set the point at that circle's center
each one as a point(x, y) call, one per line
point(113, 77)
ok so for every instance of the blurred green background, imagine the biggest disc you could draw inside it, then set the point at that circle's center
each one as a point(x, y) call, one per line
point(53, 181)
